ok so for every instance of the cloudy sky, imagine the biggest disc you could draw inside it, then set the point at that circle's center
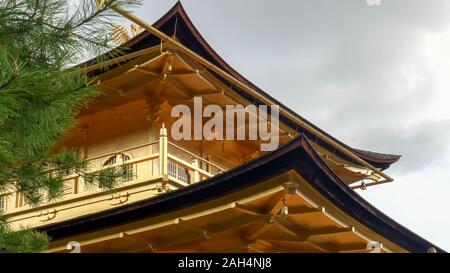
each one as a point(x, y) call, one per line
point(374, 76)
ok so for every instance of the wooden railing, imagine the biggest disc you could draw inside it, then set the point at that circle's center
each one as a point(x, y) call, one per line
point(143, 162)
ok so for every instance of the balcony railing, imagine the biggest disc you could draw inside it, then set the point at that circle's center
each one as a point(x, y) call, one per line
point(159, 159)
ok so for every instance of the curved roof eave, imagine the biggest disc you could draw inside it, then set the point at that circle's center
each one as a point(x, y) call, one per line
point(297, 155)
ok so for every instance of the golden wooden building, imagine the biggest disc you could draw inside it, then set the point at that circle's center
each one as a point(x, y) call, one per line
point(207, 196)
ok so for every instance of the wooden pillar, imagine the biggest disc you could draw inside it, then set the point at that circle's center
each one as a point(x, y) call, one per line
point(208, 167)
point(196, 175)
point(163, 152)
point(153, 110)
point(152, 165)
point(79, 184)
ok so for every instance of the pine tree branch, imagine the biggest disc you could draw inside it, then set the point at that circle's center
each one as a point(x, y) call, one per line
point(39, 100)
point(15, 74)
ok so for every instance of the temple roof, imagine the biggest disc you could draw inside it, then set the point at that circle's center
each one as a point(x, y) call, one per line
point(176, 23)
point(298, 156)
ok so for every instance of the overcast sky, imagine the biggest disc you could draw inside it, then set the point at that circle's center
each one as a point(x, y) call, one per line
point(376, 77)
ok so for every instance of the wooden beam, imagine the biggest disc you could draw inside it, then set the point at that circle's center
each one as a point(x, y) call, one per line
point(127, 68)
point(141, 66)
point(257, 229)
point(208, 92)
point(193, 70)
point(184, 72)
point(117, 71)
point(120, 59)
point(249, 210)
point(192, 227)
point(163, 221)
point(291, 229)
point(85, 243)
point(130, 244)
point(254, 247)
point(194, 235)
point(298, 243)
point(336, 232)
point(314, 239)
point(206, 76)
point(148, 72)
point(190, 92)
point(318, 239)
point(304, 210)
point(167, 68)
point(267, 246)
point(223, 246)
point(363, 250)
point(275, 204)
point(182, 88)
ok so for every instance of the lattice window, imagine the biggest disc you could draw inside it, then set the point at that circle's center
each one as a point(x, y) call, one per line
point(129, 174)
point(178, 172)
point(111, 161)
point(68, 187)
point(3, 203)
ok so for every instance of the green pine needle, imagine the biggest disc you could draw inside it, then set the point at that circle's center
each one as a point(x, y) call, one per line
point(40, 99)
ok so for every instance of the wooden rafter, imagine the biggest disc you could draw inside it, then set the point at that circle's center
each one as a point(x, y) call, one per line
point(192, 227)
point(249, 210)
point(148, 72)
point(182, 88)
point(120, 59)
point(258, 228)
point(335, 232)
point(194, 234)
